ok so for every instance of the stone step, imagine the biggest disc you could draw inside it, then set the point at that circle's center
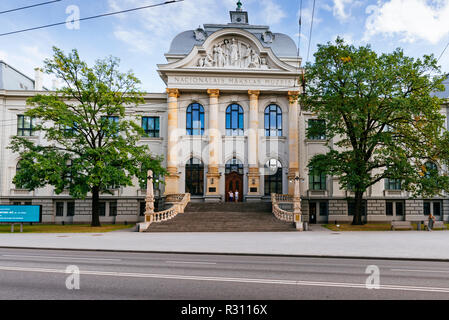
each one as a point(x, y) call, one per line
point(230, 217)
point(229, 207)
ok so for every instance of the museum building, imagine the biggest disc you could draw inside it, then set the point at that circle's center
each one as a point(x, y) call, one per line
point(228, 121)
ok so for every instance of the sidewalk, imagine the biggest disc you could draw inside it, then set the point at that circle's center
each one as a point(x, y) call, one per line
point(399, 244)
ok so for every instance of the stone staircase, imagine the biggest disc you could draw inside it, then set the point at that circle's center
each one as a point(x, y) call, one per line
point(224, 217)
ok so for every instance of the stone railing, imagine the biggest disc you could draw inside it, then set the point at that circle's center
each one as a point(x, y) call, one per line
point(282, 198)
point(277, 211)
point(175, 197)
point(178, 204)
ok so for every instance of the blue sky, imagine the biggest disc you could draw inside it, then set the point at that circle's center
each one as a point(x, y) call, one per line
point(140, 39)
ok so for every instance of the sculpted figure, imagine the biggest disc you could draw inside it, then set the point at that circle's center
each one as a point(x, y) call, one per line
point(246, 57)
point(208, 61)
point(234, 53)
point(215, 55)
point(264, 64)
point(227, 52)
point(220, 57)
point(255, 60)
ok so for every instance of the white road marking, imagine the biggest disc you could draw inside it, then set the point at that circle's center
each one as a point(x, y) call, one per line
point(427, 270)
point(60, 257)
point(238, 280)
point(190, 262)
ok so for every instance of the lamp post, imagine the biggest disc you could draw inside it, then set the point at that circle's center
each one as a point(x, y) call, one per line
point(297, 204)
point(149, 199)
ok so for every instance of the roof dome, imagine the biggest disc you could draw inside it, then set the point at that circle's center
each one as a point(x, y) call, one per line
point(281, 44)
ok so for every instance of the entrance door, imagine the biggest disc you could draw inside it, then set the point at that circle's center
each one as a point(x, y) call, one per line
point(234, 182)
point(312, 212)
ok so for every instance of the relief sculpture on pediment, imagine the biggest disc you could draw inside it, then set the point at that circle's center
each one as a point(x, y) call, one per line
point(233, 54)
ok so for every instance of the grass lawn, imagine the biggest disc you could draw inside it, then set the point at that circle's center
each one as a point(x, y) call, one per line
point(368, 227)
point(57, 228)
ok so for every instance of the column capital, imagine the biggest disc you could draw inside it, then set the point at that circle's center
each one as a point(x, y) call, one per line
point(213, 93)
point(173, 93)
point(293, 96)
point(253, 93)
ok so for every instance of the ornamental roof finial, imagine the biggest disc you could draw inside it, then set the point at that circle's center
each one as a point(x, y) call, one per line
point(239, 6)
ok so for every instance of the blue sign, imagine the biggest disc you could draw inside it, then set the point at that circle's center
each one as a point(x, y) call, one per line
point(17, 214)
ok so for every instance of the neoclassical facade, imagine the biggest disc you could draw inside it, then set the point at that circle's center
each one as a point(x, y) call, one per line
point(228, 121)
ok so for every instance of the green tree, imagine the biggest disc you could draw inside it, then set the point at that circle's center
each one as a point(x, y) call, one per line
point(381, 118)
point(91, 138)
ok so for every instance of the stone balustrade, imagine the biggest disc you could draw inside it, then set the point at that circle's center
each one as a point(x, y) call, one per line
point(279, 213)
point(178, 201)
point(282, 198)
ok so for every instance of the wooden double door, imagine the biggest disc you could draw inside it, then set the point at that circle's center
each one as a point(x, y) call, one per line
point(234, 182)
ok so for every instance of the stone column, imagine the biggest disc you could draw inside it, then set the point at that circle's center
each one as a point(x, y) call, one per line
point(253, 144)
point(293, 140)
point(172, 180)
point(213, 176)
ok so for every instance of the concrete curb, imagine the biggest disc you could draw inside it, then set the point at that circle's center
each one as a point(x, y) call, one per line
point(236, 254)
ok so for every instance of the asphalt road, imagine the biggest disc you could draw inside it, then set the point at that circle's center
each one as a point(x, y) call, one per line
point(41, 274)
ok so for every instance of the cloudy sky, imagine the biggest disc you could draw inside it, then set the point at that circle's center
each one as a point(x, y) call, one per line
point(141, 38)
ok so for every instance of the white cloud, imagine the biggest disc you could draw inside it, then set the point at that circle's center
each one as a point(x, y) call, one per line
point(411, 20)
point(154, 28)
point(136, 40)
point(272, 12)
point(339, 9)
point(3, 55)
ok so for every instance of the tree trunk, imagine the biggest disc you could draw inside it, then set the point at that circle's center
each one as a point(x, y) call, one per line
point(95, 207)
point(358, 212)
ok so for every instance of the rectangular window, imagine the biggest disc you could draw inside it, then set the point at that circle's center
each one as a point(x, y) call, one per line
point(113, 208)
point(142, 208)
point(102, 209)
point(59, 209)
point(394, 208)
point(389, 208)
point(151, 126)
point(316, 129)
point(351, 207)
point(317, 180)
point(392, 184)
point(399, 208)
point(324, 211)
point(436, 208)
point(24, 126)
point(70, 208)
point(112, 125)
point(433, 207)
point(426, 208)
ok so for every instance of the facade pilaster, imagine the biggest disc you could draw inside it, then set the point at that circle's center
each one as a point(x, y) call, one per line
point(213, 175)
point(293, 139)
point(253, 144)
point(172, 179)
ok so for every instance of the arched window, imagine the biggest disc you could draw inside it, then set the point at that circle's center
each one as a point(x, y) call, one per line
point(195, 120)
point(195, 177)
point(273, 121)
point(234, 165)
point(234, 120)
point(273, 177)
